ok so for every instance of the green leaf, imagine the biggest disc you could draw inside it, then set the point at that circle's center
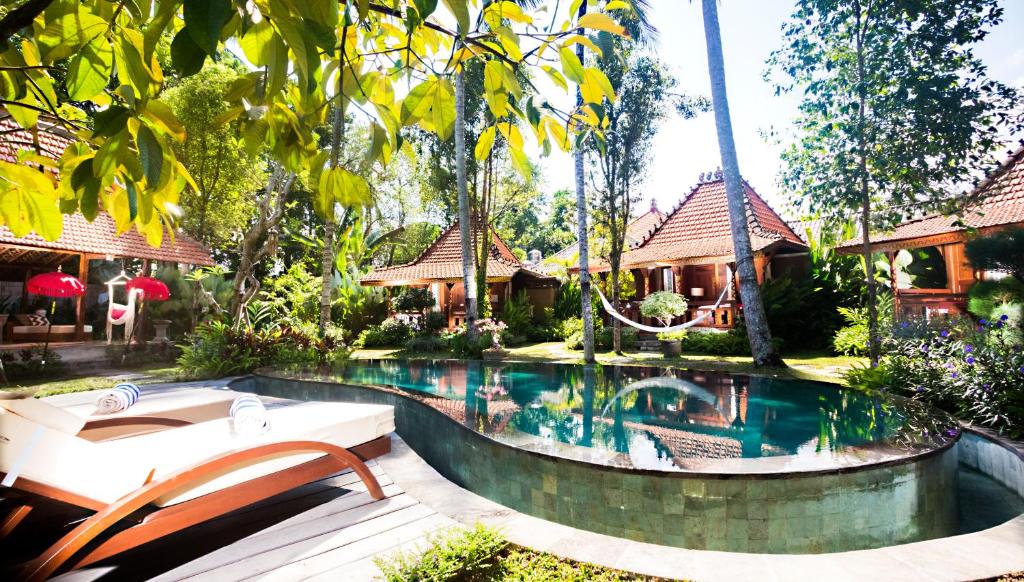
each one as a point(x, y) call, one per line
point(151, 155)
point(425, 7)
point(133, 200)
point(64, 36)
point(204, 20)
point(460, 8)
point(494, 89)
point(598, 21)
point(443, 109)
point(256, 43)
point(187, 56)
point(571, 65)
point(484, 144)
point(110, 121)
point(89, 70)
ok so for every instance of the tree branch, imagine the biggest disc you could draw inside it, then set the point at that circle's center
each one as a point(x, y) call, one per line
point(21, 17)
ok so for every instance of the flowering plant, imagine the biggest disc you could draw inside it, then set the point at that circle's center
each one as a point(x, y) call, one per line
point(975, 370)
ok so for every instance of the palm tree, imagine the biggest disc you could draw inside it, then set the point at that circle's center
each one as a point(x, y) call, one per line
point(465, 224)
point(760, 337)
point(327, 258)
point(581, 228)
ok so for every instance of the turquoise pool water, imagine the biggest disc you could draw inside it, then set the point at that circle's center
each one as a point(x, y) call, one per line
point(667, 420)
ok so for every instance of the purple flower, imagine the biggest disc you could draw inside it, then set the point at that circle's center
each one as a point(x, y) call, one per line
point(951, 432)
point(919, 389)
point(999, 325)
point(968, 349)
point(970, 360)
point(944, 333)
point(987, 388)
point(950, 366)
point(952, 374)
point(983, 321)
point(1021, 370)
point(1004, 317)
point(924, 347)
point(904, 324)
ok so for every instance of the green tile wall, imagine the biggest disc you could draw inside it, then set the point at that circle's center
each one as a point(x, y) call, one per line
point(791, 514)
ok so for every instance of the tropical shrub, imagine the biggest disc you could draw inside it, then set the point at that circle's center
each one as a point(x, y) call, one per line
point(730, 343)
point(434, 321)
point(801, 312)
point(517, 314)
point(974, 370)
point(1002, 251)
point(413, 300)
point(425, 343)
point(663, 306)
point(673, 335)
point(602, 338)
point(852, 339)
point(489, 335)
point(390, 333)
point(993, 299)
point(27, 363)
point(216, 349)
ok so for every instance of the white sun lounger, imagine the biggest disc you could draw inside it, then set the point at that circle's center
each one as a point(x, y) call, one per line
point(182, 476)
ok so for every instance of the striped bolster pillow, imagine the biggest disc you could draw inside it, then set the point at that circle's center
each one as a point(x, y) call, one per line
point(119, 398)
point(249, 416)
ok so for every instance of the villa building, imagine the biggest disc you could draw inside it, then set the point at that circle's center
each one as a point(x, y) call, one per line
point(690, 252)
point(439, 268)
point(939, 277)
point(81, 243)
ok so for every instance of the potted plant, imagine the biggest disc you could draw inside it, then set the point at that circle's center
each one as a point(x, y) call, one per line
point(665, 306)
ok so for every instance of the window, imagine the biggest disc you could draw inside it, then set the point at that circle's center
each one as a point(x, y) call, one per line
point(668, 279)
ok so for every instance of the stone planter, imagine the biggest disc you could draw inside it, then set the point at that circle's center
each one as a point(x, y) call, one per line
point(160, 331)
point(671, 348)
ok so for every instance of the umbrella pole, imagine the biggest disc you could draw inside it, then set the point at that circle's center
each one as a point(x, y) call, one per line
point(49, 326)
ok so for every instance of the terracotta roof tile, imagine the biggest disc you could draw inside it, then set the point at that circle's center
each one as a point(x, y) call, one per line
point(636, 231)
point(99, 237)
point(698, 229)
point(79, 235)
point(442, 261)
point(1000, 202)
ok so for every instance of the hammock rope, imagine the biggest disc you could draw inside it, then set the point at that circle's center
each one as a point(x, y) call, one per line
point(611, 311)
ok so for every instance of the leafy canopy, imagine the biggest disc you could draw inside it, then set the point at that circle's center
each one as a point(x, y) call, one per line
point(64, 59)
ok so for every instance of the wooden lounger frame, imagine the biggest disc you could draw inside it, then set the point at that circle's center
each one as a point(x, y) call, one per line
point(167, 520)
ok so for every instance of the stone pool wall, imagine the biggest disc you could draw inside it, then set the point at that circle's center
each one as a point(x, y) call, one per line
point(782, 513)
point(1002, 460)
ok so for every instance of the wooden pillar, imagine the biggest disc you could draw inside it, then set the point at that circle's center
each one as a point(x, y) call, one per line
point(760, 261)
point(677, 272)
point(83, 274)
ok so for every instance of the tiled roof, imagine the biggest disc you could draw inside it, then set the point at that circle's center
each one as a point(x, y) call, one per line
point(99, 237)
point(698, 229)
point(50, 140)
point(636, 231)
point(1000, 202)
point(442, 261)
point(79, 235)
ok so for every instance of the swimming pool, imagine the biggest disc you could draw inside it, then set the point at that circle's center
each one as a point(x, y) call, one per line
point(702, 460)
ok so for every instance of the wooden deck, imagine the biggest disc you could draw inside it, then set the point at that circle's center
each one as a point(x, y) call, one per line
point(330, 530)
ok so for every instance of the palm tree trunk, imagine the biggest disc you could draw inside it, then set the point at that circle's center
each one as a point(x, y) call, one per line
point(865, 192)
point(465, 224)
point(581, 230)
point(758, 334)
point(327, 259)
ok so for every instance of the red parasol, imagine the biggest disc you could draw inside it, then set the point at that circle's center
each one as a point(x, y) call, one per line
point(150, 288)
point(56, 285)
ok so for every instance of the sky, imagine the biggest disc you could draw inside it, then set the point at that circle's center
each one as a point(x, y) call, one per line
point(751, 30)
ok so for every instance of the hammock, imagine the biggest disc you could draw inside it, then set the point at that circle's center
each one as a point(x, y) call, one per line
point(611, 311)
point(686, 387)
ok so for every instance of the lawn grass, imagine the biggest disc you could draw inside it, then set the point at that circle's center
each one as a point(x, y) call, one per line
point(812, 365)
point(153, 374)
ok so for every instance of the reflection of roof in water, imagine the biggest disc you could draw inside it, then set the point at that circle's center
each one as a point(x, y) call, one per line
point(687, 445)
point(499, 412)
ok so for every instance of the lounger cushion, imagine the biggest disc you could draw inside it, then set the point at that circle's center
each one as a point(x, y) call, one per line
point(340, 424)
point(64, 461)
point(54, 329)
point(45, 414)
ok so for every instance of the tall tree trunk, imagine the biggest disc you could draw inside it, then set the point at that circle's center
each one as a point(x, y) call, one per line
point(760, 337)
point(327, 259)
point(874, 344)
point(465, 220)
point(581, 229)
point(483, 240)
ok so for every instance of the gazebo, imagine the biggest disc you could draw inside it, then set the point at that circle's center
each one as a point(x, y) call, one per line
point(942, 275)
point(80, 242)
point(690, 252)
point(439, 268)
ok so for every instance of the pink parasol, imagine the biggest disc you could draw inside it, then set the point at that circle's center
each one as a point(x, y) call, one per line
point(150, 288)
